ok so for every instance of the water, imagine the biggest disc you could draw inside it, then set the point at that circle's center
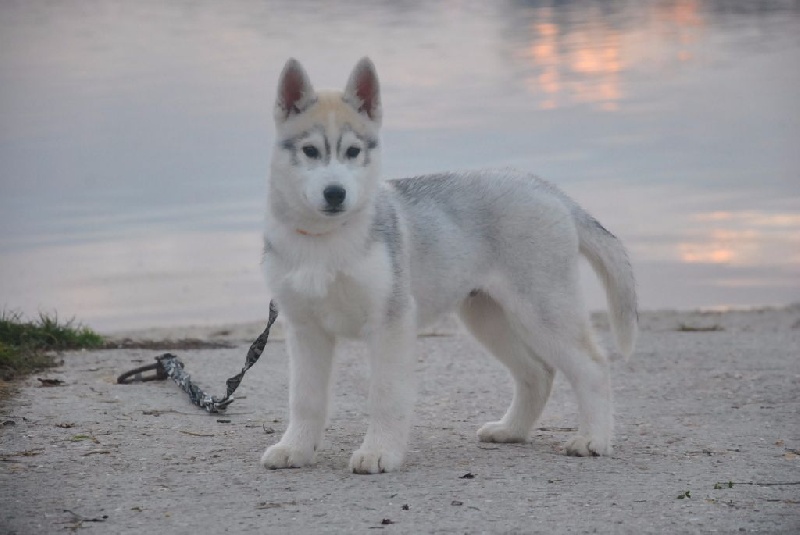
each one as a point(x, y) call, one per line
point(135, 137)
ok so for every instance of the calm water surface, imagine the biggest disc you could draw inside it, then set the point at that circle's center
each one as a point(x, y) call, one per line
point(135, 137)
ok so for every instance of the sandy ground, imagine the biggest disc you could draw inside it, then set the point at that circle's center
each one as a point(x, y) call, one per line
point(696, 409)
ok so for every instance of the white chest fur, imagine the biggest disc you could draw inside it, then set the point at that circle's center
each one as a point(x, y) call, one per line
point(345, 300)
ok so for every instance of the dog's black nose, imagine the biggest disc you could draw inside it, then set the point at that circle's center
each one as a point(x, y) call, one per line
point(334, 195)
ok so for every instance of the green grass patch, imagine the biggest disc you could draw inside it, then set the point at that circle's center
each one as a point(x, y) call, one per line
point(29, 345)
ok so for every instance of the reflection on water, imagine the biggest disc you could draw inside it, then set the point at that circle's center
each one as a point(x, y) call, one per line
point(135, 137)
point(744, 239)
point(573, 67)
point(580, 55)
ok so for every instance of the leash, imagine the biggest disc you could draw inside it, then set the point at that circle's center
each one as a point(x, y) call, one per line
point(170, 366)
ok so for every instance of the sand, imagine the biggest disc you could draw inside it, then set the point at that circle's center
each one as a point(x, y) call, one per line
point(708, 440)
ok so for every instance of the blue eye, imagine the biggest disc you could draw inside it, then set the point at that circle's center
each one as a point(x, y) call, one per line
point(352, 152)
point(311, 151)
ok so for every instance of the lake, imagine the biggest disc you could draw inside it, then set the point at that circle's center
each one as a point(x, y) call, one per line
point(135, 137)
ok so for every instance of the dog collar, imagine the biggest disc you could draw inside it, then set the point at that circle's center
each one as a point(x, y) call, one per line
point(307, 233)
point(317, 234)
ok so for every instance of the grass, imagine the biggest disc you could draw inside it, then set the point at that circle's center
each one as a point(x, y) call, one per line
point(27, 346)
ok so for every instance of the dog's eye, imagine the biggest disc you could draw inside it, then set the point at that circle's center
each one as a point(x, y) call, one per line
point(352, 152)
point(311, 151)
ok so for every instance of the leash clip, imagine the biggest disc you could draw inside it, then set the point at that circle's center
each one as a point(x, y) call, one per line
point(136, 375)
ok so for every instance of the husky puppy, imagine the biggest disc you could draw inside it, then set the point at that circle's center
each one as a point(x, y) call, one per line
point(350, 255)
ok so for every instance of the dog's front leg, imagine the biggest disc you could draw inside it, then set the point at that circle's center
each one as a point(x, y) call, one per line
point(311, 356)
point(391, 396)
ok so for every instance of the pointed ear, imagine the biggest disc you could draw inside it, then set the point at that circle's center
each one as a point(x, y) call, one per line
point(363, 91)
point(294, 91)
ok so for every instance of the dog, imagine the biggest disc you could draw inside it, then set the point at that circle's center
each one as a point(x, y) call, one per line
point(348, 255)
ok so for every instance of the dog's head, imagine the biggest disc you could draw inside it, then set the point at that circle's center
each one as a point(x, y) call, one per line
point(326, 162)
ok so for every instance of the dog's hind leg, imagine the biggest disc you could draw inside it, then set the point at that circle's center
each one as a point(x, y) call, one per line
point(533, 378)
point(559, 332)
point(592, 384)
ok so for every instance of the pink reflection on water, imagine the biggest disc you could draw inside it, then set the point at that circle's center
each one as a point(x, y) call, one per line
point(582, 62)
point(743, 238)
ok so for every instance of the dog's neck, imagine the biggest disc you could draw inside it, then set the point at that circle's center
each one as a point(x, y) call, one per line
point(312, 234)
point(309, 261)
point(288, 236)
point(323, 233)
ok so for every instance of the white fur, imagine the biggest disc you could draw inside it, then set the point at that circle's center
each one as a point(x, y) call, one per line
point(498, 247)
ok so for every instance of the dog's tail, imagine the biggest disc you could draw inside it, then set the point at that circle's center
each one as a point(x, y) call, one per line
point(610, 261)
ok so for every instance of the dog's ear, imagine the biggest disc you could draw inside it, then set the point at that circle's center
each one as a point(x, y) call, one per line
point(363, 91)
point(295, 92)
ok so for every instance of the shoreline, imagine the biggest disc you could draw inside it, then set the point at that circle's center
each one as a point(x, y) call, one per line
point(698, 320)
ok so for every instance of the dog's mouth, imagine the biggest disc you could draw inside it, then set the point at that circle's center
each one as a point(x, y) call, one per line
point(332, 211)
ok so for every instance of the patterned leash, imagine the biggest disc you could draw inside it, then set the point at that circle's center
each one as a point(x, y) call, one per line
point(170, 366)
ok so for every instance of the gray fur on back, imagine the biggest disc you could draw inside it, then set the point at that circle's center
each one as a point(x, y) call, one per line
point(508, 223)
point(478, 221)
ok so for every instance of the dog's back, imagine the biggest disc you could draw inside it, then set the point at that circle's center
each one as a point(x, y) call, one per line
point(470, 230)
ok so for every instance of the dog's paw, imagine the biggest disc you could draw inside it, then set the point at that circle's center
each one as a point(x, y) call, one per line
point(286, 456)
point(580, 446)
point(500, 432)
point(377, 461)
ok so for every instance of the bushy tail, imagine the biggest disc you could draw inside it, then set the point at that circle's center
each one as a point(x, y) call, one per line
point(609, 260)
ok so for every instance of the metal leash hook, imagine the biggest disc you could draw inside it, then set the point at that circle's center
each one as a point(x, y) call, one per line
point(169, 365)
point(135, 375)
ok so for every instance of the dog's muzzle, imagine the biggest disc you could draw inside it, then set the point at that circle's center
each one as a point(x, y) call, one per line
point(334, 197)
